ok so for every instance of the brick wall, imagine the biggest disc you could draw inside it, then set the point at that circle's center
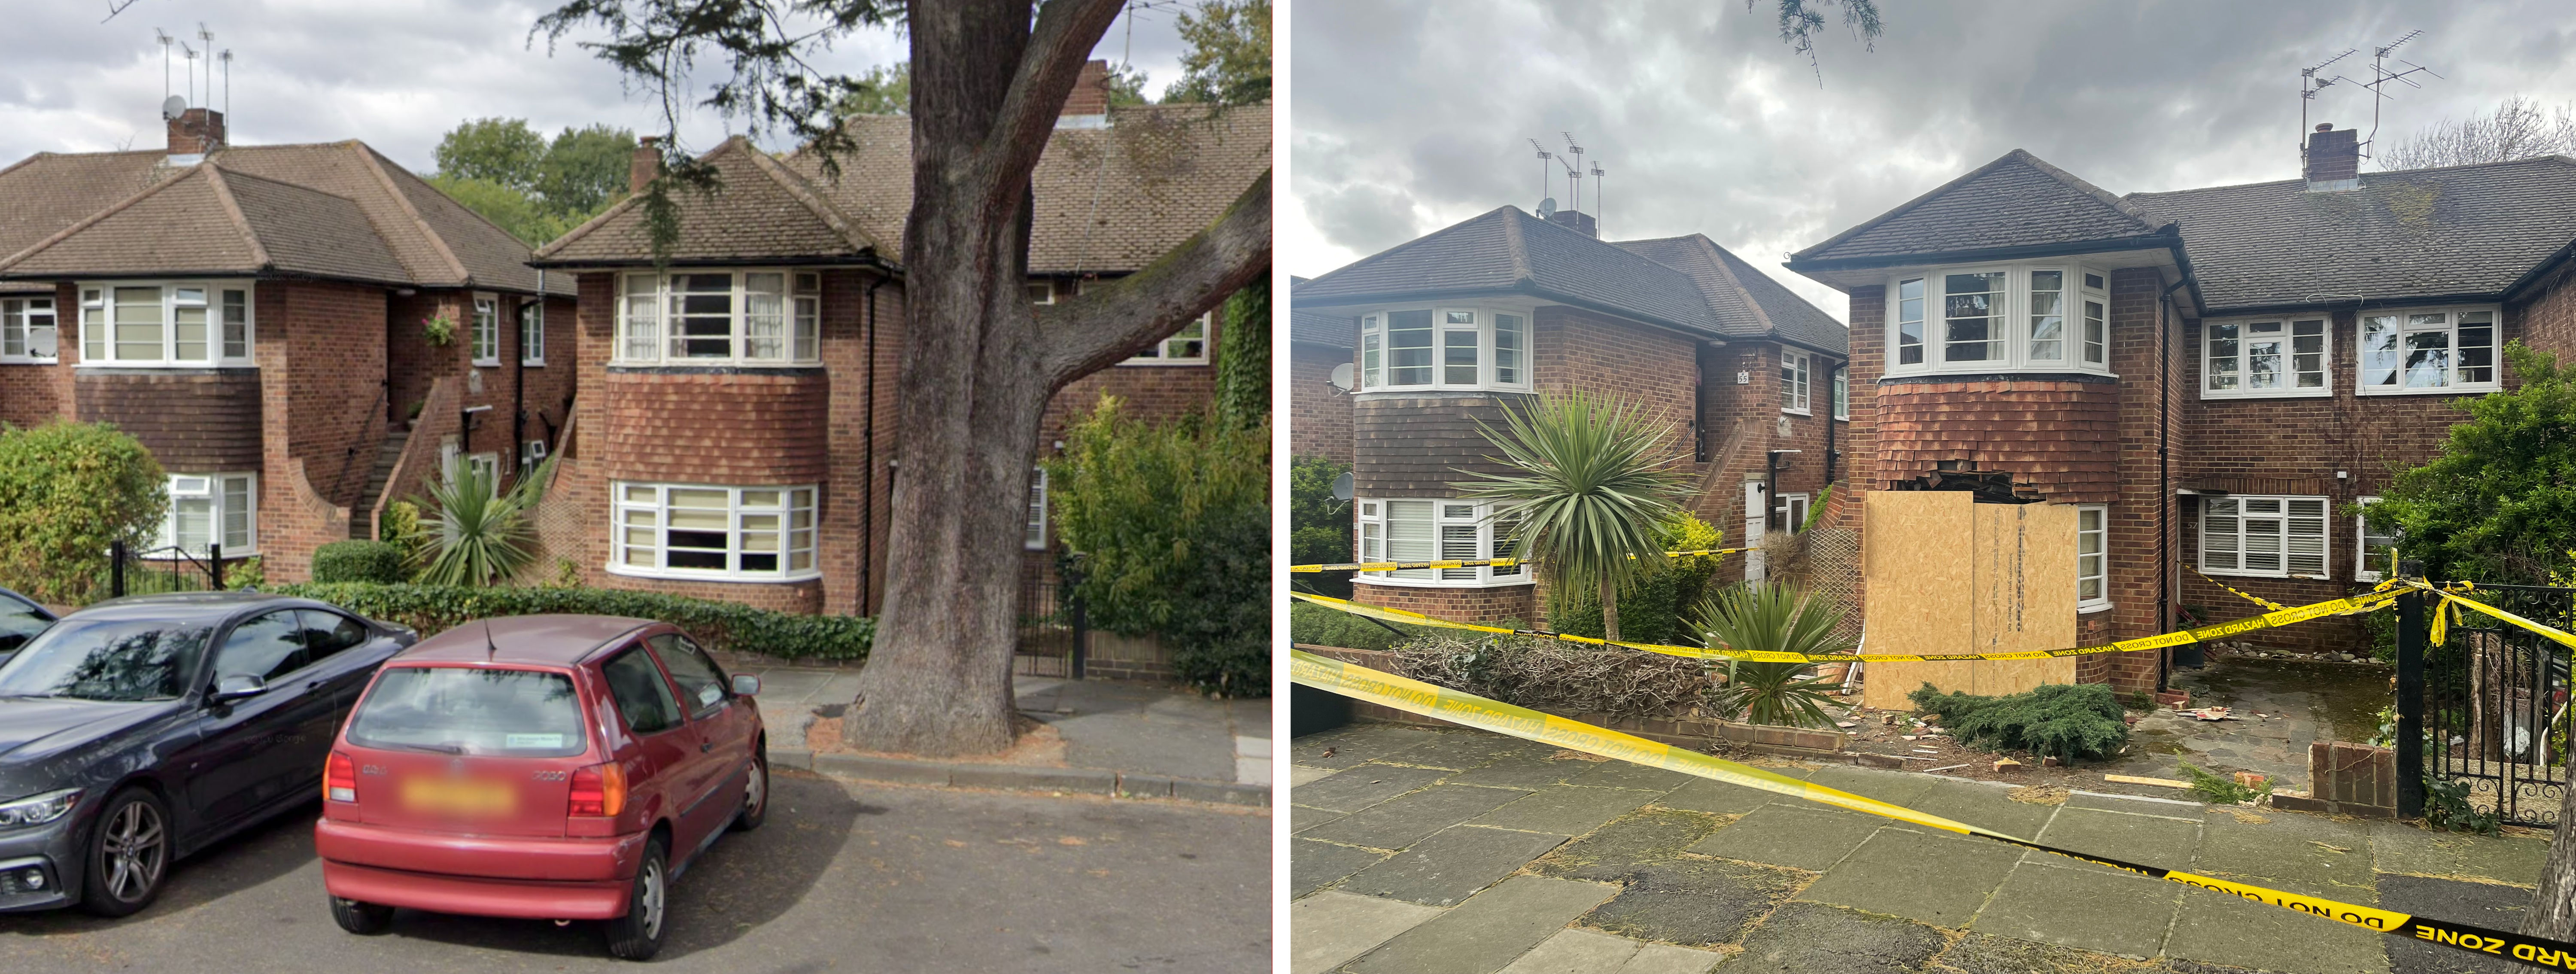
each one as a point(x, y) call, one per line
point(765, 427)
point(196, 421)
point(2548, 317)
point(334, 379)
point(1496, 605)
point(2058, 435)
point(1319, 417)
point(32, 395)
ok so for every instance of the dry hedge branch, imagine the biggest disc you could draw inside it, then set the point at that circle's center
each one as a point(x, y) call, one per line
point(1555, 676)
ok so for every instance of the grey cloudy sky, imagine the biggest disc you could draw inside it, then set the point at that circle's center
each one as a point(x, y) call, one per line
point(1408, 116)
point(395, 74)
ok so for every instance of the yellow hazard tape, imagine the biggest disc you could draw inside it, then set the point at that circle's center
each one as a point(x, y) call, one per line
point(2366, 602)
point(1414, 696)
point(2256, 599)
point(1397, 566)
point(2453, 601)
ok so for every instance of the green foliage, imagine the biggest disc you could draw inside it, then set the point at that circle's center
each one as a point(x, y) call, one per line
point(501, 151)
point(381, 562)
point(1771, 618)
point(2498, 504)
point(1243, 357)
point(1816, 511)
point(1653, 608)
point(722, 625)
point(885, 90)
point(481, 535)
point(2446, 807)
point(1228, 59)
point(1126, 86)
point(2381, 629)
point(248, 573)
point(67, 491)
point(2064, 720)
point(1590, 487)
point(1320, 626)
point(1319, 526)
point(439, 329)
point(2221, 790)
point(536, 190)
point(515, 210)
point(1172, 520)
point(584, 171)
point(400, 524)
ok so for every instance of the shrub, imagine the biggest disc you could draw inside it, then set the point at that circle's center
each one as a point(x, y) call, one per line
point(1655, 608)
point(2066, 720)
point(481, 535)
point(722, 625)
point(1319, 626)
point(1319, 525)
point(400, 524)
point(1172, 520)
point(1553, 675)
point(381, 562)
point(1770, 617)
point(2497, 504)
point(67, 492)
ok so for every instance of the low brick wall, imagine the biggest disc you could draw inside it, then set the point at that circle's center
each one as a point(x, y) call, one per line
point(2347, 779)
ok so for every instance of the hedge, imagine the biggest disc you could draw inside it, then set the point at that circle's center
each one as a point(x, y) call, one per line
point(721, 625)
point(381, 562)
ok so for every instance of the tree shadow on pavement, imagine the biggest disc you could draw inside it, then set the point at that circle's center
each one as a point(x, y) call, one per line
point(248, 859)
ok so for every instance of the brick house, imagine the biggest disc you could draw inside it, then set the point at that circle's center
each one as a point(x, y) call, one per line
point(252, 315)
point(1455, 327)
point(2219, 379)
point(736, 435)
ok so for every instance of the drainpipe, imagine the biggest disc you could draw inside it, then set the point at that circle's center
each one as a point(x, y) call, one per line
point(1830, 454)
point(868, 436)
point(519, 383)
point(2164, 484)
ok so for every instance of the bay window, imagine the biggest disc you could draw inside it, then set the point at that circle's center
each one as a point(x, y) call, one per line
point(1987, 319)
point(2275, 537)
point(2092, 557)
point(2278, 357)
point(719, 318)
point(752, 534)
point(1794, 367)
point(2423, 350)
point(181, 325)
point(1435, 529)
point(27, 330)
point(1444, 348)
point(212, 509)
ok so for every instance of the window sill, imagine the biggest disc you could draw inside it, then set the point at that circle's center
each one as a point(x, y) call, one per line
point(111, 367)
point(2368, 577)
point(2084, 609)
point(670, 575)
point(22, 360)
point(2235, 573)
point(1401, 392)
point(712, 368)
point(168, 559)
point(1444, 582)
point(2479, 389)
point(2207, 395)
point(1797, 412)
point(1151, 363)
point(533, 363)
point(1997, 375)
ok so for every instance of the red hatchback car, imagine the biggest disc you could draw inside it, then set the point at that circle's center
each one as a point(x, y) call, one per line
point(551, 767)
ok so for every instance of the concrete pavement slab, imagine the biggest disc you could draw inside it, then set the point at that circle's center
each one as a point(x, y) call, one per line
point(1980, 804)
point(1699, 902)
point(1333, 926)
point(1791, 835)
point(1451, 865)
point(1355, 743)
point(1459, 750)
point(2146, 839)
point(1812, 938)
point(2137, 804)
point(1314, 865)
point(1361, 786)
point(2302, 848)
point(1522, 771)
point(1301, 818)
point(1400, 822)
point(2224, 929)
point(1668, 959)
point(2093, 909)
point(1981, 953)
point(1299, 774)
point(1892, 787)
point(794, 686)
point(1938, 879)
point(1627, 774)
point(1488, 931)
point(2401, 848)
point(1720, 798)
point(1565, 809)
point(1619, 849)
point(1576, 951)
point(2489, 905)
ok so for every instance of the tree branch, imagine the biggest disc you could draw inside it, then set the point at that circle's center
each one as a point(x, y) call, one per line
point(1112, 322)
point(1061, 43)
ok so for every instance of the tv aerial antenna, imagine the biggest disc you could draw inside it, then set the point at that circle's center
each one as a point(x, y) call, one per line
point(165, 39)
point(1546, 203)
point(2381, 76)
point(2310, 84)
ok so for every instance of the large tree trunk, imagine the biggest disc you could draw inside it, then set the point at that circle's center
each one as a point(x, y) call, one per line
point(979, 363)
point(2553, 909)
point(1609, 609)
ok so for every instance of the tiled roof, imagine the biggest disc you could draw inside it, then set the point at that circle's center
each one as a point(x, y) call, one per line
point(1508, 251)
point(209, 221)
point(2015, 201)
point(761, 209)
point(1318, 328)
point(2458, 231)
point(1742, 300)
point(48, 191)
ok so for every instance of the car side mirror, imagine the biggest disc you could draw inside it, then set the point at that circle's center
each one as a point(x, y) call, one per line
point(746, 685)
point(238, 686)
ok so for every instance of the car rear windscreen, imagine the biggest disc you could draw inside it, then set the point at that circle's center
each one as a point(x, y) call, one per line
point(470, 710)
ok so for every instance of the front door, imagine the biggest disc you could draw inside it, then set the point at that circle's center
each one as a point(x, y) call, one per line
point(1757, 515)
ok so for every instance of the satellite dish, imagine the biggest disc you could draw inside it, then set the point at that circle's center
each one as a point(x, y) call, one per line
point(173, 107)
point(1342, 486)
point(1546, 207)
point(1342, 376)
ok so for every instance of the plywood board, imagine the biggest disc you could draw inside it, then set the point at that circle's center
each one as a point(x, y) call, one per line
point(1916, 562)
point(2025, 594)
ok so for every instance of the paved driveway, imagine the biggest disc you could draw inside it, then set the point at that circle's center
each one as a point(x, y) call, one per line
point(841, 878)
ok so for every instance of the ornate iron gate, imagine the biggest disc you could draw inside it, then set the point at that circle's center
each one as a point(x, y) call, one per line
point(2495, 705)
point(1052, 635)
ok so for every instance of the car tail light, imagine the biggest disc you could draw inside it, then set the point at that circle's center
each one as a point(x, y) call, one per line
point(340, 782)
point(598, 790)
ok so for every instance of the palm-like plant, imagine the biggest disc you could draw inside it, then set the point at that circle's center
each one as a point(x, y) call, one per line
point(1591, 487)
point(480, 535)
point(1768, 617)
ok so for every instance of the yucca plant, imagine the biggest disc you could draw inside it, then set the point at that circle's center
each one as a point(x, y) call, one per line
point(1591, 487)
point(480, 535)
point(1770, 617)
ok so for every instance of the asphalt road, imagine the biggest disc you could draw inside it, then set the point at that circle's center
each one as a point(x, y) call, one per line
point(843, 877)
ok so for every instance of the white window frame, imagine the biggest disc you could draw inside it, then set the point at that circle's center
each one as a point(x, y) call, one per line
point(2079, 348)
point(486, 330)
point(644, 334)
point(532, 333)
point(2286, 512)
point(489, 464)
point(650, 513)
point(532, 453)
point(2364, 567)
point(1038, 285)
point(2242, 360)
point(1792, 510)
point(1034, 537)
point(215, 297)
point(220, 490)
point(1458, 529)
point(1842, 391)
point(1188, 346)
point(1490, 324)
point(18, 329)
point(2099, 572)
point(2408, 325)
point(1797, 370)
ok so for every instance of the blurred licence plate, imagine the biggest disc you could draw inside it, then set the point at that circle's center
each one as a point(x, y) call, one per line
point(462, 797)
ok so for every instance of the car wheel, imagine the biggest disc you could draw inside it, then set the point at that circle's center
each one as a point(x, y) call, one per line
point(361, 918)
point(755, 792)
point(129, 854)
point(638, 934)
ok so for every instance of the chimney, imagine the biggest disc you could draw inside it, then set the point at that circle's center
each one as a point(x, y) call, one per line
point(1581, 223)
point(646, 166)
point(1087, 105)
point(193, 133)
point(2334, 159)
